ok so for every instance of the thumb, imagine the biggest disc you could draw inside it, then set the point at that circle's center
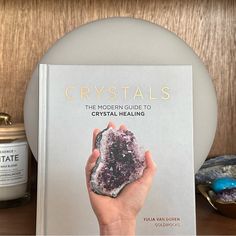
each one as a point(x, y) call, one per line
point(150, 169)
point(90, 165)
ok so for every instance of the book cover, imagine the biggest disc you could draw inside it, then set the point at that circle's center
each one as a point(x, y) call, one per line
point(103, 130)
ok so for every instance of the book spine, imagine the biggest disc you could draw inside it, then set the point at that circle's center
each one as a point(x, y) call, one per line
point(193, 155)
point(42, 139)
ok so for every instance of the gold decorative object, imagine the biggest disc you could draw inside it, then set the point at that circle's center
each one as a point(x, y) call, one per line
point(14, 158)
point(225, 208)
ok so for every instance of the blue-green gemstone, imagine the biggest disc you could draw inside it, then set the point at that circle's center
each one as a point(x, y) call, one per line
point(223, 183)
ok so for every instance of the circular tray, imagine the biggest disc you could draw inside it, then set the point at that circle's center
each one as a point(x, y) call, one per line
point(130, 41)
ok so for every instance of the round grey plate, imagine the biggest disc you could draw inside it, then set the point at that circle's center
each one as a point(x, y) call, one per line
point(130, 41)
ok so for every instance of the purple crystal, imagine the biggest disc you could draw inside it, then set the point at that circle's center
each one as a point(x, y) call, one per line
point(228, 195)
point(121, 161)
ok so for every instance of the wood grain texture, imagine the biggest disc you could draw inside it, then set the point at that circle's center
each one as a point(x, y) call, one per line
point(30, 27)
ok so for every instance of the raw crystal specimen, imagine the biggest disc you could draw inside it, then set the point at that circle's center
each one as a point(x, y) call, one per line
point(223, 184)
point(228, 195)
point(217, 167)
point(121, 161)
point(224, 189)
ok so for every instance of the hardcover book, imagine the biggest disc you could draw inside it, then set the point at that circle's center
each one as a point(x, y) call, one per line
point(103, 130)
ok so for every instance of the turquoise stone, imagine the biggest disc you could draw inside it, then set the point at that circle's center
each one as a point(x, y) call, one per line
point(223, 183)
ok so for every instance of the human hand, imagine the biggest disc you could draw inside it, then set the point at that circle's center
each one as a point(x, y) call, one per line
point(117, 216)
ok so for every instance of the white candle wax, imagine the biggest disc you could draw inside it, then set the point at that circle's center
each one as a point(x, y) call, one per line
point(13, 164)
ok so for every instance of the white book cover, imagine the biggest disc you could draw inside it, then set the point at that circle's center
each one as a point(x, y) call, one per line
point(155, 103)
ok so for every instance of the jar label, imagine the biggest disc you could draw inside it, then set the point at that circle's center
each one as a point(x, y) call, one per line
point(13, 164)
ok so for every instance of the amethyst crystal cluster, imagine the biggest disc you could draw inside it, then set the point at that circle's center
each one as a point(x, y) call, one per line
point(228, 195)
point(121, 162)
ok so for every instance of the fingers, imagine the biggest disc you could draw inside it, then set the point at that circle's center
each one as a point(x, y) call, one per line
point(92, 161)
point(111, 125)
point(123, 127)
point(150, 169)
point(151, 165)
point(90, 165)
point(95, 133)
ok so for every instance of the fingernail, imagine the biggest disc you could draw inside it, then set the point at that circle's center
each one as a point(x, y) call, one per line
point(96, 152)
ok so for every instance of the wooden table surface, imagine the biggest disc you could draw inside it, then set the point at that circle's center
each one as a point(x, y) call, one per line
point(210, 222)
point(21, 220)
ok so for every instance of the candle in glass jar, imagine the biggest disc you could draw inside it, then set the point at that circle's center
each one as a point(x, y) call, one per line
point(13, 163)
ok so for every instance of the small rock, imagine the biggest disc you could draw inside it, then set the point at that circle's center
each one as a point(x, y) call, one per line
point(228, 195)
point(223, 184)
